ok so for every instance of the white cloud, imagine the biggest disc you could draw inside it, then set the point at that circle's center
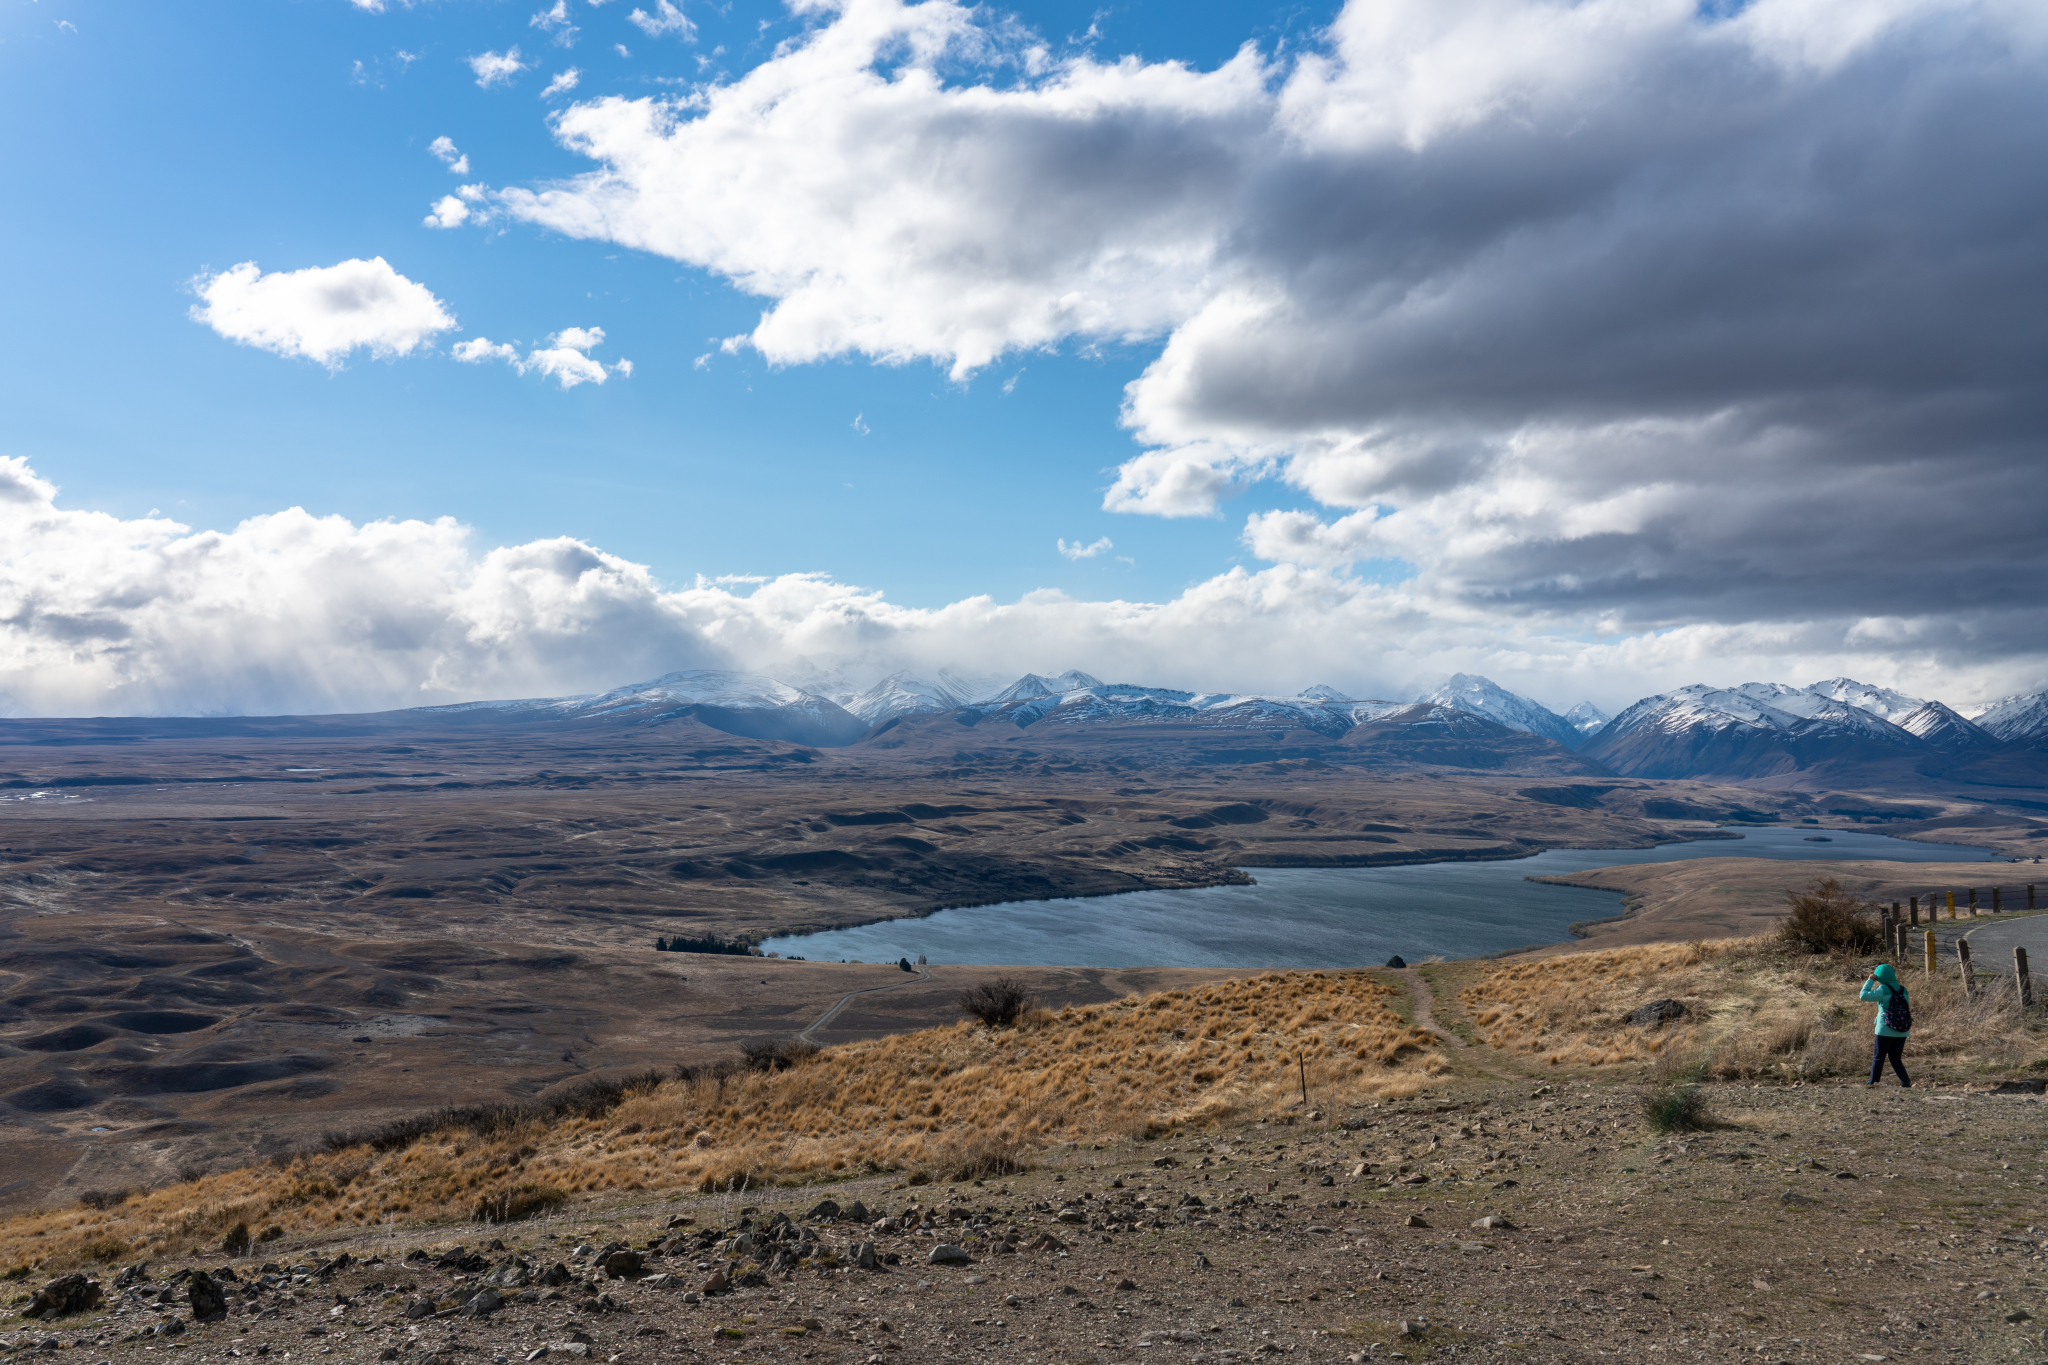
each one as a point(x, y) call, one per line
point(322, 313)
point(1622, 309)
point(620, 48)
point(445, 150)
point(448, 212)
point(288, 612)
point(666, 20)
point(479, 349)
point(494, 68)
point(1077, 551)
point(554, 21)
point(860, 423)
point(562, 84)
point(371, 6)
point(564, 359)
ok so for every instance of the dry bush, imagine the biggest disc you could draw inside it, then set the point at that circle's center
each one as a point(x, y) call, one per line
point(779, 1055)
point(998, 1003)
point(1827, 918)
point(942, 1101)
point(237, 1241)
point(104, 1199)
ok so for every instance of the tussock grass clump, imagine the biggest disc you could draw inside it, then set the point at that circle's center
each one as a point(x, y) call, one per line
point(1826, 918)
point(1570, 1011)
point(956, 1103)
point(1676, 1109)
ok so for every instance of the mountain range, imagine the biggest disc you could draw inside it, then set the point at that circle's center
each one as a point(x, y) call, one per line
point(1838, 731)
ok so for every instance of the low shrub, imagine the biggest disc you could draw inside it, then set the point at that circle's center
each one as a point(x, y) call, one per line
point(237, 1241)
point(1826, 918)
point(104, 1199)
point(998, 1003)
point(776, 1056)
point(518, 1204)
point(1680, 1108)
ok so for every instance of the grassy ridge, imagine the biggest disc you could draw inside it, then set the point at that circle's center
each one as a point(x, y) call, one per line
point(938, 1101)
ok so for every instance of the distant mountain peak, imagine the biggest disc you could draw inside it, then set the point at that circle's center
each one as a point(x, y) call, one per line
point(1033, 685)
point(1479, 696)
point(2015, 718)
point(1883, 702)
point(1586, 718)
point(1324, 692)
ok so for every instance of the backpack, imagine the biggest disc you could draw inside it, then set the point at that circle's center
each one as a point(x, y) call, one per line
point(1898, 1012)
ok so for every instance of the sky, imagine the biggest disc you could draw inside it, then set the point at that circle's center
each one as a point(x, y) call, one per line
point(364, 353)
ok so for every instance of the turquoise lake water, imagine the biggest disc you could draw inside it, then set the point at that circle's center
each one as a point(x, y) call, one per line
point(1327, 917)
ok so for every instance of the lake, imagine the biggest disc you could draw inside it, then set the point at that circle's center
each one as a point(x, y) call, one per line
point(1322, 917)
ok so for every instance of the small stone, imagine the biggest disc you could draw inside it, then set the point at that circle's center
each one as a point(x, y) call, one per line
point(2019, 1315)
point(945, 1253)
point(621, 1264)
point(1397, 961)
point(537, 1353)
point(209, 1300)
point(1764, 1285)
point(1327, 1180)
point(1126, 1285)
point(717, 1284)
point(1201, 1261)
point(1796, 1200)
point(1071, 1216)
point(1414, 1220)
point(826, 1210)
point(1494, 1221)
point(1412, 1329)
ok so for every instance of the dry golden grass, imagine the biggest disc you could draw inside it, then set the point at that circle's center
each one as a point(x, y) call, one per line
point(940, 1101)
point(1757, 1010)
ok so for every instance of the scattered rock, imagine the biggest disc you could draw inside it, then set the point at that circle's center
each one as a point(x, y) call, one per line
point(483, 1303)
point(945, 1253)
point(621, 1264)
point(825, 1210)
point(717, 1284)
point(1071, 1216)
point(209, 1300)
point(1201, 1261)
point(64, 1295)
point(1494, 1222)
point(1764, 1285)
point(864, 1256)
point(2019, 1315)
point(1794, 1199)
point(1657, 1012)
point(1397, 961)
point(2023, 1087)
point(1412, 1328)
point(1414, 1220)
point(1126, 1285)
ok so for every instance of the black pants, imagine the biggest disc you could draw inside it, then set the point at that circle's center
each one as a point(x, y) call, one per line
point(1892, 1050)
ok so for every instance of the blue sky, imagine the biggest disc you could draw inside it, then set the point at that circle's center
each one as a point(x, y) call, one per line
point(1587, 345)
point(168, 140)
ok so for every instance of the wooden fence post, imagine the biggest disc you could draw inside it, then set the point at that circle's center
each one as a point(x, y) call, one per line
point(1951, 905)
point(2030, 895)
point(1930, 952)
point(1973, 902)
point(1963, 965)
point(2019, 974)
point(1913, 911)
point(1997, 906)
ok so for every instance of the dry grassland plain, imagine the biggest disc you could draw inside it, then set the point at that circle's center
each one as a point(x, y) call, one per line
point(1143, 1180)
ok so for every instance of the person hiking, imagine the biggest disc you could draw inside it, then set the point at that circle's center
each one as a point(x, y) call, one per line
point(1894, 1022)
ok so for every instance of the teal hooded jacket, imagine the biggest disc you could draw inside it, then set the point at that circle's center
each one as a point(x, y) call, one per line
point(1882, 983)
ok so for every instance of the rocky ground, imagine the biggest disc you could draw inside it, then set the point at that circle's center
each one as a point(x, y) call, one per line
point(1502, 1220)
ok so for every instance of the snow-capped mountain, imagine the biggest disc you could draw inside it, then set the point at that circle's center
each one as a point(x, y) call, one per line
point(1755, 730)
point(1945, 730)
point(1029, 702)
point(1587, 719)
point(1483, 697)
point(1881, 702)
point(2016, 718)
point(737, 703)
point(1031, 687)
point(905, 694)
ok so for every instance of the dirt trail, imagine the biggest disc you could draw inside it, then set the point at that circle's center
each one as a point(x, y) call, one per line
point(1425, 1013)
point(826, 1017)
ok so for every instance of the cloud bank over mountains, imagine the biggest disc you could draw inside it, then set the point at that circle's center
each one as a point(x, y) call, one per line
point(1614, 317)
point(293, 613)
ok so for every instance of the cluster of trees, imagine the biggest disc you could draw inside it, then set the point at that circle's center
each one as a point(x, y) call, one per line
point(700, 945)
